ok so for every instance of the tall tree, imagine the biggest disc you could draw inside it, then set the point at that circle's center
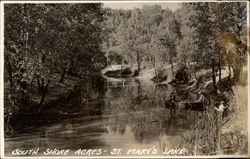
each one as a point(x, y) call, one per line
point(43, 39)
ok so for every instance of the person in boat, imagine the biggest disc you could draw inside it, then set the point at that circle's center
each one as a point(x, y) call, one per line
point(202, 99)
point(172, 100)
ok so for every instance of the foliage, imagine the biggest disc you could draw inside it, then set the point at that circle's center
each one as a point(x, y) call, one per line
point(190, 36)
point(44, 39)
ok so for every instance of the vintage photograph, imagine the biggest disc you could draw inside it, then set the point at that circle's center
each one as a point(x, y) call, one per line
point(96, 79)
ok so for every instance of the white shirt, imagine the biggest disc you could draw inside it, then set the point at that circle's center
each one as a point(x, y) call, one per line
point(221, 108)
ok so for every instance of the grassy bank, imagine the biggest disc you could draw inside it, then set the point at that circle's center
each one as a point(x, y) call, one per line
point(212, 135)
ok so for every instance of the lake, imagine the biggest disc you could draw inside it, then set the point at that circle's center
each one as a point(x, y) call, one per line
point(130, 115)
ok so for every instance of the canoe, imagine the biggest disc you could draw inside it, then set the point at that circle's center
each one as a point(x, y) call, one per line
point(196, 106)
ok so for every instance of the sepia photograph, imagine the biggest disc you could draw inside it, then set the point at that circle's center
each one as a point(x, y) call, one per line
point(124, 79)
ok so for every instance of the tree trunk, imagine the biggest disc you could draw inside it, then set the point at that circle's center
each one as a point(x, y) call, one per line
point(139, 89)
point(213, 75)
point(71, 67)
point(194, 72)
point(237, 72)
point(241, 51)
point(230, 73)
point(62, 76)
point(39, 85)
point(45, 90)
point(171, 61)
point(138, 62)
point(131, 62)
point(219, 66)
point(154, 64)
point(9, 69)
point(172, 68)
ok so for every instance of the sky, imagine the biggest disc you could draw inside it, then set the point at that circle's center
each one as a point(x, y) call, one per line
point(130, 5)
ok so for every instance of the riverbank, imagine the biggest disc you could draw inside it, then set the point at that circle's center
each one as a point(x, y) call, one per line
point(56, 91)
point(166, 76)
point(235, 131)
point(33, 113)
point(146, 74)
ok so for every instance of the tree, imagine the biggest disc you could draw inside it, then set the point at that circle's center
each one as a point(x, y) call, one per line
point(169, 35)
point(45, 39)
point(231, 34)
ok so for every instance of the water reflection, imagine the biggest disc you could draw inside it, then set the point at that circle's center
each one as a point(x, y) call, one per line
point(130, 114)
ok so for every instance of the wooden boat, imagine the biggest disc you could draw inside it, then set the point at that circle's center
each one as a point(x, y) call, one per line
point(195, 106)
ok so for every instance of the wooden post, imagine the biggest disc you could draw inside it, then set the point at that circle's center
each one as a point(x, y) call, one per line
point(219, 132)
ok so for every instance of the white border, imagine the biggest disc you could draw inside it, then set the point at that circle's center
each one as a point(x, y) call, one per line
point(113, 1)
point(248, 66)
point(1, 79)
point(120, 1)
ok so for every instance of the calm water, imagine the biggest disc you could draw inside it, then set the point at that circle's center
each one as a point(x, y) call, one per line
point(131, 115)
